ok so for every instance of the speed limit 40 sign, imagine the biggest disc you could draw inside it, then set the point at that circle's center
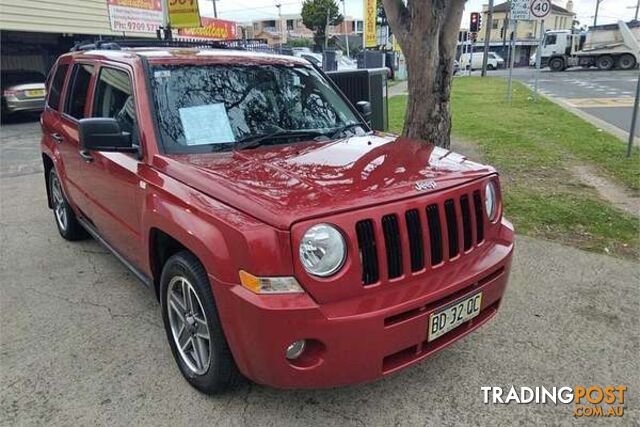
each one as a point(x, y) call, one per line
point(540, 9)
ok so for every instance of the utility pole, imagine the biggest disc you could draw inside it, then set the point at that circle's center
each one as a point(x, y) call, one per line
point(215, 10)
point(326, 31)
point(637, 8)
point(595, 18)
point(346, 31)
point(487, 37)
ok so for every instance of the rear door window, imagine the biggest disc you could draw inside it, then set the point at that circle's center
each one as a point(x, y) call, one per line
point(78, 90)
point(55, 90)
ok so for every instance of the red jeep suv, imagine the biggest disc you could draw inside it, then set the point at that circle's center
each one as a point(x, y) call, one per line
point(284, 239)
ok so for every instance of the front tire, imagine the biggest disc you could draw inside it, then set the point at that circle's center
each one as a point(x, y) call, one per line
point(66, 221)
point(556, 64)
point(193, 326)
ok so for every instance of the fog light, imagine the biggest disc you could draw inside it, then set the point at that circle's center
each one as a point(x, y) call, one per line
point(295, 349)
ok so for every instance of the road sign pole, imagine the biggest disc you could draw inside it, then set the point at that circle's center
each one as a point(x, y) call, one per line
point(538, 60)
point(634, 119)
point(512, 61)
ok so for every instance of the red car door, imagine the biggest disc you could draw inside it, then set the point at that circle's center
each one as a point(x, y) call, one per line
point(110, 180)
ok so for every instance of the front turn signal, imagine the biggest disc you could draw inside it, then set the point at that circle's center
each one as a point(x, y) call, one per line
point(269, 285)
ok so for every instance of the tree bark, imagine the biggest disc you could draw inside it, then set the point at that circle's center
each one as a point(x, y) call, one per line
point(427, 31)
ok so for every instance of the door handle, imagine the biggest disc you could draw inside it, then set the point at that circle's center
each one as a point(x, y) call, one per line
point(57, 138)
point(85, 156)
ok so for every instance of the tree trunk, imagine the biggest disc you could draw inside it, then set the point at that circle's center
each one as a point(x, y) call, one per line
point(428, 114)
point(427, 31)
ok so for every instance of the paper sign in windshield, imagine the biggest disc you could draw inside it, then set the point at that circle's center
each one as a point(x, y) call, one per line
point(206, 124)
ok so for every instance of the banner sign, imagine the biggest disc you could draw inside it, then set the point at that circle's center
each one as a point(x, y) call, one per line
point(370, 18)
point(140, 16)
point(212, 29)
point(184, 13)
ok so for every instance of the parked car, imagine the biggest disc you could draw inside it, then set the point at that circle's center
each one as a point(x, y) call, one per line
point(282, 236)
point(22, 91)
point(493, 61)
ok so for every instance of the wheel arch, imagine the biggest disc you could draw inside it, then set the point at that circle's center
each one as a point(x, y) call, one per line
point(165, 241)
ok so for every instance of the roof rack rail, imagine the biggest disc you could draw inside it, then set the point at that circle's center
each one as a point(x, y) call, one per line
point(239, 44)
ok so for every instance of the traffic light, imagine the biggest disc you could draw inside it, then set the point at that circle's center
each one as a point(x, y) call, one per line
point(474, 25)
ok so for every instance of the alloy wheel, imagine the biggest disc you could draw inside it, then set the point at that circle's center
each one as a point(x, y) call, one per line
point(189, 325)
point(59, 205)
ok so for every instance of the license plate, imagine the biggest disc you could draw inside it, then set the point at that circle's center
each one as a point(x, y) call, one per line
point(34, 93)
point(454, 315)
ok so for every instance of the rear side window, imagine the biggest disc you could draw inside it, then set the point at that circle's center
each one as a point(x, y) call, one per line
point(114, 98)
point(79, 89)
point(56, 86)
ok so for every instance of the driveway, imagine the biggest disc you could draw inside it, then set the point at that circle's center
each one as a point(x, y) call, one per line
point(82, 342)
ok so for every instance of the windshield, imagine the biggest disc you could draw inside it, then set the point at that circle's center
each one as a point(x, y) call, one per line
point(203, 108)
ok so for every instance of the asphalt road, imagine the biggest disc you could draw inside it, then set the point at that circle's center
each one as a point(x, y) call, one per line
point(81, 341)
point(607, 95)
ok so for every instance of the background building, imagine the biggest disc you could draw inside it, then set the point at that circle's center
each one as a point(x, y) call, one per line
point(35, 32)
point(528, 31)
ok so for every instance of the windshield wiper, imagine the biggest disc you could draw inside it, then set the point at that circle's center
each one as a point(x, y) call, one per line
point(257, 141)
point(346, 128)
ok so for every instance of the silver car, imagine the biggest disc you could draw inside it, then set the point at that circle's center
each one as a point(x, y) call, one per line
point(22, 91)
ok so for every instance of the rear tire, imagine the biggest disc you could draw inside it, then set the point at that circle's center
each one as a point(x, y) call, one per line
point(605, 62)
point(627, 62)
point(66, 221)
point(556, 64)
point(191, 320)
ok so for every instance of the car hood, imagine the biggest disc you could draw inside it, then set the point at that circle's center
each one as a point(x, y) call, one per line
point(284, 184)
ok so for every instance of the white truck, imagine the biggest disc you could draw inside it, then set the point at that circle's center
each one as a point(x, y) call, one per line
point(604, 46)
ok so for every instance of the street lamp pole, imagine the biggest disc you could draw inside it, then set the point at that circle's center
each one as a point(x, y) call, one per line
point(215, 10)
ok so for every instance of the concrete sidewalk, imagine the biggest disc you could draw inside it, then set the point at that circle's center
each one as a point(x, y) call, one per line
point(82, 343)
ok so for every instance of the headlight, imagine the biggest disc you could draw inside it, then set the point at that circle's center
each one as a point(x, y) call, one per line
point(322, 250)
point(491, 201)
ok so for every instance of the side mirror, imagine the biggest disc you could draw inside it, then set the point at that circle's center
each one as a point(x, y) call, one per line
point(364, 108)
point(104, 134)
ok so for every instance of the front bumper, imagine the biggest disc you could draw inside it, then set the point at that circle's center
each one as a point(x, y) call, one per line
point(360, 339)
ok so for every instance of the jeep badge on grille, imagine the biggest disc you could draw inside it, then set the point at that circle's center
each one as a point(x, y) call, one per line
point(426, 185)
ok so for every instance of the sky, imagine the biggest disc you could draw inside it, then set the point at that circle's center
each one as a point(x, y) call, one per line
point(247, 10)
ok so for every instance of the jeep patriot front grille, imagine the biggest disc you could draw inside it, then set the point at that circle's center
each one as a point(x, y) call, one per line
point(434, 233)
